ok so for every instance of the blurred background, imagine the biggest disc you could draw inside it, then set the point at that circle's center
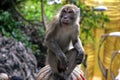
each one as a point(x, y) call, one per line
point(22, 33)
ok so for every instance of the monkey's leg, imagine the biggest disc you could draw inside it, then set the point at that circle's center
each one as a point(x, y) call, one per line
point(71, 55)
point(53, 62)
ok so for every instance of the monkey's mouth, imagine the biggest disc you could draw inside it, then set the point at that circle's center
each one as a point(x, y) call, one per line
point(65, 22)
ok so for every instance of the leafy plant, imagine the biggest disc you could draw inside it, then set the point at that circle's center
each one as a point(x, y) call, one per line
point(90, 21)
point(10, 27)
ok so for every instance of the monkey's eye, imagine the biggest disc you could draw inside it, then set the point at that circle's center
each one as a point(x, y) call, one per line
point(71, 11)
point(64, 11)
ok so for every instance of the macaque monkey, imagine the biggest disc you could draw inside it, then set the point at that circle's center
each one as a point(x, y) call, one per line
point(63, 30)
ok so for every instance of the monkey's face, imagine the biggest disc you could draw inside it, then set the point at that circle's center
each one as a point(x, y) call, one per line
point(69, 15)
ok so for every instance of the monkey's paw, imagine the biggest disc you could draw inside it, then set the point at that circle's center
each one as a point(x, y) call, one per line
point(79, 58)
point(62, 59)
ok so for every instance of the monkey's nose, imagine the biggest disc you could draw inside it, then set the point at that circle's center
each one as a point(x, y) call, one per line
point(65, 17)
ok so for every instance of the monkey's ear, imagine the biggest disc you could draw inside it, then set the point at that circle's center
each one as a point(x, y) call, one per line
point(79, 9)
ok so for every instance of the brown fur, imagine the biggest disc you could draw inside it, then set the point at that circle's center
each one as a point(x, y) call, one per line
point(64, 29)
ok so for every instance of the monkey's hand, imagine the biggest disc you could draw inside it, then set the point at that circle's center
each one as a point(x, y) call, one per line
point(63, 62)
point(79, 57)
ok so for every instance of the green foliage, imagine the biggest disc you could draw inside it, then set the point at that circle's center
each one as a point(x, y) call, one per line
point(10, 27)
point(91, 20)
point(52, 10)
point(32, 10)
point(7, 23)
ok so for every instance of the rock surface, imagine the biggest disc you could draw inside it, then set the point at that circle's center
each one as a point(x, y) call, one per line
point(16, 59)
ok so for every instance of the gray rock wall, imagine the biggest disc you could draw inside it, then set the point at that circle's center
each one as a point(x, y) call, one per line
point(16, 59)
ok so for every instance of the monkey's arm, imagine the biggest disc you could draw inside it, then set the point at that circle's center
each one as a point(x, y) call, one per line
point(54, 47)
point(78, 46)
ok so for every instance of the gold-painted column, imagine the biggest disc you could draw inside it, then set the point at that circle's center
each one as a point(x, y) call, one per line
point(111, 43)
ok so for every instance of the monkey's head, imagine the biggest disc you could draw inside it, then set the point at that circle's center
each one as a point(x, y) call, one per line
point(69, 14)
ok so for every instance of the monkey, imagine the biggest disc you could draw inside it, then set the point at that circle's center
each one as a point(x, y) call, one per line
point(63, 30)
